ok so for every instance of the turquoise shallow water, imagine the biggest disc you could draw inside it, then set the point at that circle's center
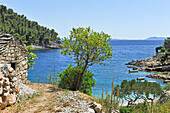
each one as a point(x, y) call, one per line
point(123, 51)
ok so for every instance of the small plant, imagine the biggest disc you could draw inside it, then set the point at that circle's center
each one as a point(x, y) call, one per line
point(31, 57)
point(61, 100)
point(110, 102)
point(52, 79)
point(65, 90)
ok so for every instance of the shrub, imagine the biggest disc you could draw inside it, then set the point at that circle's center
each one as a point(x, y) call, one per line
point(125, 110)
point(142, 107)
point(70, 76)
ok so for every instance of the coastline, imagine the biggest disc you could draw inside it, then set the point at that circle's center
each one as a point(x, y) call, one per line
point(152, 65)
point(37, 47)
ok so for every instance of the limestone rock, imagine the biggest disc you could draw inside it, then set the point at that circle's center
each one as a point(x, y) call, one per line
point(90, 110)
point(25, 91)
point(11, 70)
point(11, 99)
point(98, 108)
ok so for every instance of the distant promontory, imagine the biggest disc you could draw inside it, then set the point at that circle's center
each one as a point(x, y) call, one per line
point(156, 38)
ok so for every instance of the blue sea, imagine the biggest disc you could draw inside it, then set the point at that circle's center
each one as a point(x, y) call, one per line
point(123, 51)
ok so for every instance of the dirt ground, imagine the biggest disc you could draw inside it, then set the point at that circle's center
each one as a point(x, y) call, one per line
point(43, 102)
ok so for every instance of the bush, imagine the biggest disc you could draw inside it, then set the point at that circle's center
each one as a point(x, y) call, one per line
point(70, 76)
point(142, 107)
point(125, 110)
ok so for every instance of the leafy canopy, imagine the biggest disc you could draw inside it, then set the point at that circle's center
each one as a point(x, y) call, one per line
point(133, 90)
point(87, 47)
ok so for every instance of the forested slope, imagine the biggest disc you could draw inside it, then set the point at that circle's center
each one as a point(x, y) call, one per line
point(26, 31)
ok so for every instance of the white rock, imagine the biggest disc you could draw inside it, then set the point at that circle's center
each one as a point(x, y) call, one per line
point(1, 90)
point(11, 99)
point(0, 99)
point(6, 94)
point(11, 70)
point(1, 82)
point(14, 79)
point(90, 110)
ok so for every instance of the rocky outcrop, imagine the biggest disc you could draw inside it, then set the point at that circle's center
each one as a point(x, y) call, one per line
point(164, 78)
point(52, 46)
point(73, 102)
point(151, 64)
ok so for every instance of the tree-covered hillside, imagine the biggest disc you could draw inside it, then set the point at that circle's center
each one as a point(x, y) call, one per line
point(27, 31)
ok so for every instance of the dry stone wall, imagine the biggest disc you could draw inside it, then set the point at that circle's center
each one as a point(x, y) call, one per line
point(11, 52)
point(9, 91)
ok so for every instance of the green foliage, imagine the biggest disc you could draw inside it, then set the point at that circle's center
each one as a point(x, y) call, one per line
point(142, 107)
point(87, 48)
point(31, 57)
point(161, 48)
point(156, 108)
point(133, 90)
point(167, 87)
point(70, 76)
point(125, 110)
point(26, 31)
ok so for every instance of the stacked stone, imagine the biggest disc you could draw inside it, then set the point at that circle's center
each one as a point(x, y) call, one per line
point(11, 51)
point(9, 91)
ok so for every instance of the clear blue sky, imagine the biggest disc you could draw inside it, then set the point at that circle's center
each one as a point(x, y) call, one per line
point(122, 19)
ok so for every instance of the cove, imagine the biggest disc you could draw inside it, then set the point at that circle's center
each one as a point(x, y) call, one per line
point(123, 51)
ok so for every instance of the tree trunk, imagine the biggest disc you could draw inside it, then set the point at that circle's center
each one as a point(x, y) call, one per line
point(81, 76)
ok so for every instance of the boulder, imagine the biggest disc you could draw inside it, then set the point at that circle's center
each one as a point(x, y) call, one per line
point(90, 110)
point(98, 108)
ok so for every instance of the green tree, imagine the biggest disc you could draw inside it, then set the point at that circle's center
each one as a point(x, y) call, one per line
point(87, 48)
point(31, 57)
point(134, 90)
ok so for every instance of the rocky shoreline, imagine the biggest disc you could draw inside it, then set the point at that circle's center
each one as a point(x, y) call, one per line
point(152, 65)
point(43, 47)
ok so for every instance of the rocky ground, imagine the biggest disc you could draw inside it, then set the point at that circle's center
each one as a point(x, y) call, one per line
point(152, 65)
point(50, 99)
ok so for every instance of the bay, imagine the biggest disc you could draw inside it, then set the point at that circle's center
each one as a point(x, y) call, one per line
point(123, 51)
